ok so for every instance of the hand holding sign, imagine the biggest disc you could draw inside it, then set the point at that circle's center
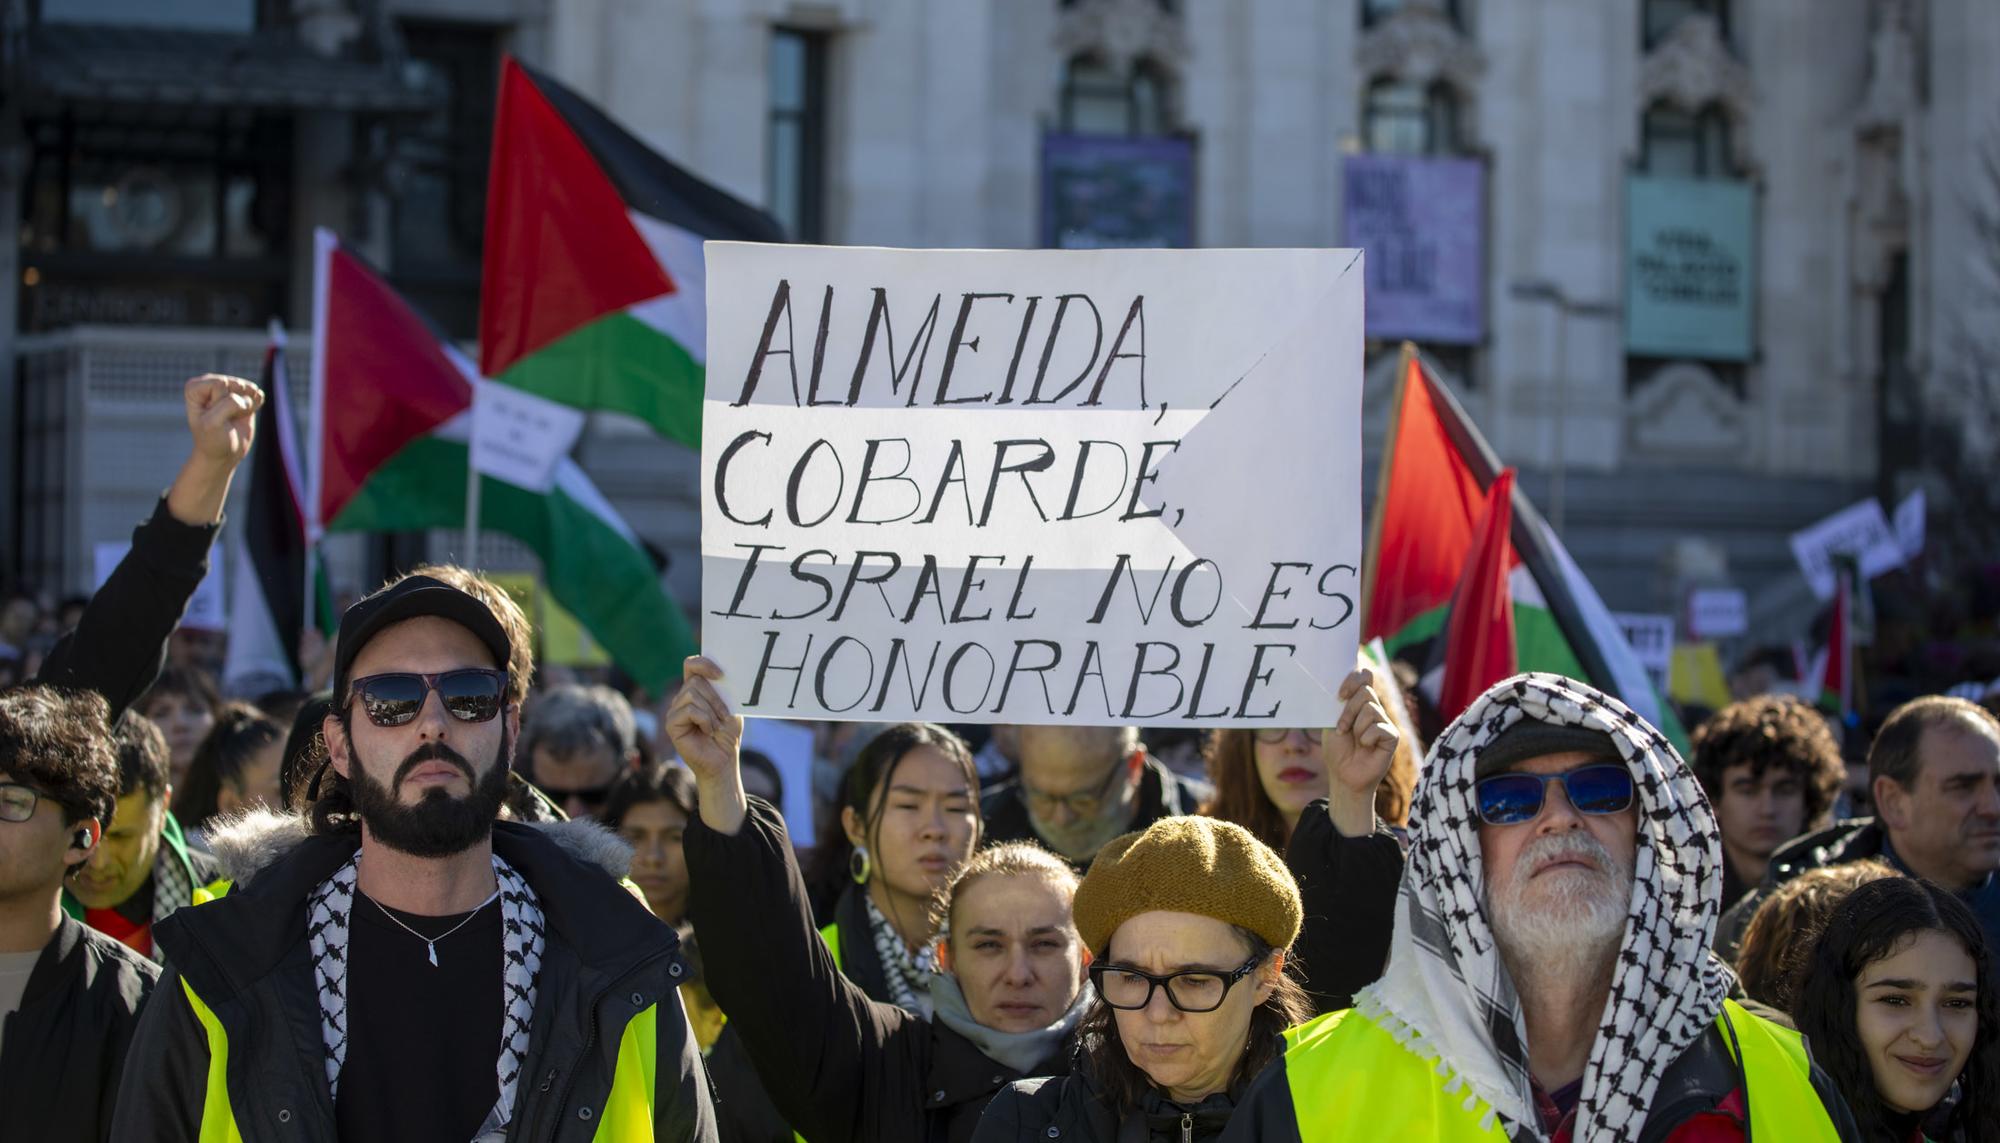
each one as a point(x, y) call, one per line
point(1357, 752)
point(709, 738)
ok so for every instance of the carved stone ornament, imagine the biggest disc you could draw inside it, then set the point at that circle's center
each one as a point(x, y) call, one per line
point(1120, 33)
point(1683, 413)
point(1692, 67)
point(1418, 43)
point(1892, 97)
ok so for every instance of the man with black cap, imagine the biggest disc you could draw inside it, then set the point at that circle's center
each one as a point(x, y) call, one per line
point(468, 980)
point(1549, 976)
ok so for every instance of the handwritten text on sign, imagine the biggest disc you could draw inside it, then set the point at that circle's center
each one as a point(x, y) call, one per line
point(1095, 487)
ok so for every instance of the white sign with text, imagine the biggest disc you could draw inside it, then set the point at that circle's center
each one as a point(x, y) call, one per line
point(1859, 530)
point(1091, 487)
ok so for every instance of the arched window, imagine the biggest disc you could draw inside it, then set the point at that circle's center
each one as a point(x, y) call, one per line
point(1663, 16)
point(1686, 145)
point(1097, 101)
point(1411, 119)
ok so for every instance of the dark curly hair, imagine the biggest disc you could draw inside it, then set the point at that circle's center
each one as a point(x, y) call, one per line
point(1872, 923)
point(59, 742)
point(1767, 731)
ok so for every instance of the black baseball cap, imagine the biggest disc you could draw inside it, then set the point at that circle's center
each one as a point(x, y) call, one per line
point(411, 597)
point(1531, 738)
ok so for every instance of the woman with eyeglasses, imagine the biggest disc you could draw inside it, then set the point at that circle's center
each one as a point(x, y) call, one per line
point(842, 1067)
point(1898, 1000)
point(1190, 923)
point(1338, 838)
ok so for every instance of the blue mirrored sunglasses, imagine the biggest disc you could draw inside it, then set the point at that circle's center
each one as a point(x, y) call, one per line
point(1509, 799)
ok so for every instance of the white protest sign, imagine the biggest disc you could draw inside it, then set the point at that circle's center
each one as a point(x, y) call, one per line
point(1718, 613)
point(205, 610)
point(789, 746)
point(1096, 487)
point(1860, 530)
point(520, 438)
point(1910, 525)
point(1652, 641)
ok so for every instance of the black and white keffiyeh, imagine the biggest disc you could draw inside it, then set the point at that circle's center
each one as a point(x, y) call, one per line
point(908, 976)
point(1446, 995)
point(328, 909)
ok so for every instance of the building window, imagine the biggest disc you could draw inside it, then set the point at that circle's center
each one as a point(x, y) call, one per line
point(1679, 144)
point(1097, 101)
point(797, 133)
point(1374, 12)
point(439, 222)
point(1411, 119)
point(1663, 16)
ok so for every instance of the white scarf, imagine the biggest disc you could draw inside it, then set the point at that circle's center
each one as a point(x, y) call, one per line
point(1019, 1051)
point(1447, 997)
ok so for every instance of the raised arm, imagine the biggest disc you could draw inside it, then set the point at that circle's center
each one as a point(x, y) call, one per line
point(119, 643)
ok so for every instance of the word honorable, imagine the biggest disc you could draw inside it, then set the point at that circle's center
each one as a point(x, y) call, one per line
point(1086, 487)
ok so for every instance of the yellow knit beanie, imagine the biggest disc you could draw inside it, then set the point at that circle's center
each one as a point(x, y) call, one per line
point(1204, 866)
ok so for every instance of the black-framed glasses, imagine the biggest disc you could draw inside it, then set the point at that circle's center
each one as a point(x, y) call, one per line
point(1271, 735)
point(1509, 799)
point(17, 802)
point(1192, 990)
point(470, 694)
point(1083, 803)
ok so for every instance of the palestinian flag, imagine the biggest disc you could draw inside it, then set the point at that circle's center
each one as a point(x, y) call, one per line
point(1480, 628)
point(1435, 474)
point(274, 563)
point(1830, 681)
point(392, 416)
point(592, 288)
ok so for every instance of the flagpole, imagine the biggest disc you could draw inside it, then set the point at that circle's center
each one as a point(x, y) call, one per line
point(472, 483)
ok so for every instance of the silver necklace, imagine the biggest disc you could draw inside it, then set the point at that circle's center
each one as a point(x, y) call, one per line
point(431, 943)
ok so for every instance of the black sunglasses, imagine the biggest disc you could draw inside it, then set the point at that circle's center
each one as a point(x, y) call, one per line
point(1509, 799)
point(1193, 990)
point(471, 694)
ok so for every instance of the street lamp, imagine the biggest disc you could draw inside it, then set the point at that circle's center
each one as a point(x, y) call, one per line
point(1543, 290)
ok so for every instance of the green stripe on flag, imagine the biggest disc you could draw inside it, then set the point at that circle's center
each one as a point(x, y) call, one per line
point(621, 364)
point(1539, 644)
point(1422, 627)
point(591, 567)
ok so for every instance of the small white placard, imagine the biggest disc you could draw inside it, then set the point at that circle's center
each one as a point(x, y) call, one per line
point(1718, 613)
point(521, 438)
point(1860, 530)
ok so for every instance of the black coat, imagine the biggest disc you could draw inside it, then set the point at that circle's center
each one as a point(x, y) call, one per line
point(744, 1110)
point(121, 640)
point(65, 1046)
point(1851, 840)
point(840, 1067)
point(1073, 1108)
point(1162, 794)
point(1347, 886)
point(605, 959)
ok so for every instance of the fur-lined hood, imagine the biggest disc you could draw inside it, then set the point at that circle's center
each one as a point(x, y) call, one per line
point(255, 840)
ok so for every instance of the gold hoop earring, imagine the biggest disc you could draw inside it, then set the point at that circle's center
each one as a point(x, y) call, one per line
point(858, 866)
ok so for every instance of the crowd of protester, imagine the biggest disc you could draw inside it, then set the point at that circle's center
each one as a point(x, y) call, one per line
point(1534, 920)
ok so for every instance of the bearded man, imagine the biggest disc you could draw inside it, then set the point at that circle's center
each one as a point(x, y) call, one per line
point(468, 980)
point(1549, 976)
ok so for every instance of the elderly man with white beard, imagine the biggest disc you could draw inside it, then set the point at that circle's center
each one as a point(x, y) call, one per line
point(1549, 977)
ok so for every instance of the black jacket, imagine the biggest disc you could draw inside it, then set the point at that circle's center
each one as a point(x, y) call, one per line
point(840, 1067)
point(1695, 1083)
point(119, 644)
point(605, 959)
point(1162, 794)
point(1074, 1108)
point(1851, 840)
point(65, 1046)
point(1347, 886)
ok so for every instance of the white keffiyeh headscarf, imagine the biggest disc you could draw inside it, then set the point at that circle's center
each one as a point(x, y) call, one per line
point(1446, 995)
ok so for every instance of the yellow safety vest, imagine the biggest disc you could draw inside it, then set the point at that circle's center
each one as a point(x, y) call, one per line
point(627, 1116)
point(1350, 1079)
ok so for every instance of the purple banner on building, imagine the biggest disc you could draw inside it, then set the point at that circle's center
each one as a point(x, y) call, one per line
point(1422, 222)
point(1105, 191)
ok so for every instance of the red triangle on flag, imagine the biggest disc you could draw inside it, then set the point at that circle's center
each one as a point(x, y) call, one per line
point(385, 378)
point(1479, 634)
point(560, 250)
point(1424, 513)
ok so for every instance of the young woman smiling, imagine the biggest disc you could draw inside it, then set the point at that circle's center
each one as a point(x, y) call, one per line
point(1898, 1002)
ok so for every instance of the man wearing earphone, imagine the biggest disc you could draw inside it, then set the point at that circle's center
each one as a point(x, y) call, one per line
point(69, 995)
